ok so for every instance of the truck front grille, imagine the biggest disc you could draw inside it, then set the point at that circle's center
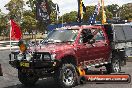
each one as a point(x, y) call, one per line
point(40, 56)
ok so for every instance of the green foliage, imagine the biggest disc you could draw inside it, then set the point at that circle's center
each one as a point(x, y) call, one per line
point(113, 8)
point(40, 25)
point(15, 8)
point(53, 17)
point(89, 12)
point(3, 24)
point(69, 17)
point(109, 15)
point(72, 16)
point(28, 21)
point(126, 12)
point(31, 4)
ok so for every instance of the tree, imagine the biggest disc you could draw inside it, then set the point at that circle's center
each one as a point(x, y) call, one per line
point(126, 11)
point(109, 15)
point(69, 17)
point(89, 12)
point(72, 16)
point(28, 22)
point(114, 8)
point(31, 4)
point(41, 25)
point(3, 25)
point(15, 8)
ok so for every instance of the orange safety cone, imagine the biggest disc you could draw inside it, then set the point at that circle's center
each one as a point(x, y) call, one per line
point(1, 73)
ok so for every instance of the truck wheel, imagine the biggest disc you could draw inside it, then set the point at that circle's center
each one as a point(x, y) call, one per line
point(66, 76)
point(114, 66)
point(28, 79)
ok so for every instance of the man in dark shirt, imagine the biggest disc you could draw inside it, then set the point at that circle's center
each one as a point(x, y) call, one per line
point(87, 35)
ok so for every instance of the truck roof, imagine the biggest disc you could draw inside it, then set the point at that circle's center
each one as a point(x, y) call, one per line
point(81, 27)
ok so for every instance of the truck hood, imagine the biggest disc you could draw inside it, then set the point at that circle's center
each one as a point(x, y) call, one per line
point(51, 47)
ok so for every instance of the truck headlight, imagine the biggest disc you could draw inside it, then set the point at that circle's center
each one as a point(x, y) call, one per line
point(28, 57)
point(47, 57)
point(19, 57)
point(53, 56)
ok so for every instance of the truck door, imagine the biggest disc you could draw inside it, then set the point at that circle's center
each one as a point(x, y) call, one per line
point(84, 49)
point(102, 47)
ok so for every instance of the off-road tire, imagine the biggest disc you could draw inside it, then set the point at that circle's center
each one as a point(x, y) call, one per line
point(114, 66)
point(28, 79)
point(62, 76)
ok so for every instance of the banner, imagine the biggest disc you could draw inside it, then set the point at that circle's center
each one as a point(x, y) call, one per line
point(43, 11)
point(103, 13)
point(92, 19)
point(81, 10)
point(15, 31)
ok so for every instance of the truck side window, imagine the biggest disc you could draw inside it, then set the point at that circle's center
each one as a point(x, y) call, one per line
point(99, 36)
point(86, 35)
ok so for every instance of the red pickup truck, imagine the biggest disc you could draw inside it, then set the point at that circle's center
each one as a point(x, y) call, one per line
point(61, 53)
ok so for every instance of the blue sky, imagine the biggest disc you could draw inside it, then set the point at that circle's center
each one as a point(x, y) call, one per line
point(70, 5)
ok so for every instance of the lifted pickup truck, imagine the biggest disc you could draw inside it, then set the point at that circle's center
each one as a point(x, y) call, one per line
point(64, 50)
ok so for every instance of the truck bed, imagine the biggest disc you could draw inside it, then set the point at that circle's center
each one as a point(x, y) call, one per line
point(120, 35)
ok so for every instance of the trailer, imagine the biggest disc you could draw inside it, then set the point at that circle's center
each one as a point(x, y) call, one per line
point(120, 36)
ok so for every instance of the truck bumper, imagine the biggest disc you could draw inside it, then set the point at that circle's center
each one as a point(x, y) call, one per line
point(26, 64)
point(33, 64)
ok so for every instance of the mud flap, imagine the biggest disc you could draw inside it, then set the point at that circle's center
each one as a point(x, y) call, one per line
point(1, 73)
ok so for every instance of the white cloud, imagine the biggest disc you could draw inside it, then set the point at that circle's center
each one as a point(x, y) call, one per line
point(2, 4)
point(66, 5)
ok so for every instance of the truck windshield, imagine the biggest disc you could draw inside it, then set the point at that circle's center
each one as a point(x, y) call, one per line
point(66, 35)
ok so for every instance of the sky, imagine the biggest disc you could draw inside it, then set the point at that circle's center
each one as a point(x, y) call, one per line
point(71, 5)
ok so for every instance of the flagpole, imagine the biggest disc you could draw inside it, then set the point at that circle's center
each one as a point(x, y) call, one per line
point(62, 19)
point(10, 34)
point(102, 1)
point(57, 13)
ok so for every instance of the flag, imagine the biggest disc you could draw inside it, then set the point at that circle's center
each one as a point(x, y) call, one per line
point(15, 31)
point(103, 13)
point(92, 19)
point(81, 10)
point(84, 8)
point(57, 8)
point(43, 11)
point(97, 9)
point(104, 18)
